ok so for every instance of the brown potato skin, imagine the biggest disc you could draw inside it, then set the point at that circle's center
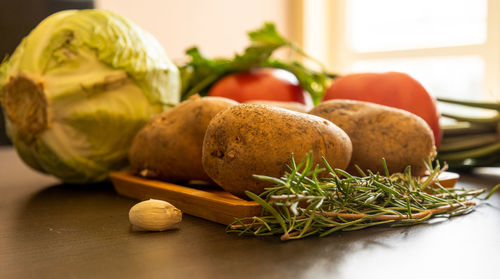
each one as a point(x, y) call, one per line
point(258, 139)
point(169, 147)
point(377, 132)
point(295, 106)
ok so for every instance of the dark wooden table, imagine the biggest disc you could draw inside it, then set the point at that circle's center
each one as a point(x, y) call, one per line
point(50, 230)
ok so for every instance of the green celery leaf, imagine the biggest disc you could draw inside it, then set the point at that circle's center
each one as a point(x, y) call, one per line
point(200, 73)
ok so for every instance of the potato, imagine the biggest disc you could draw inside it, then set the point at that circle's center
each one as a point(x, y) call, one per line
point(377, 132)
point(295, 106)
point(258, 139)
point(169, 147)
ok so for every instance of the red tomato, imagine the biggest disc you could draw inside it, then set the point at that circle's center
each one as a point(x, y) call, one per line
point(261, 84)
point(392, 89)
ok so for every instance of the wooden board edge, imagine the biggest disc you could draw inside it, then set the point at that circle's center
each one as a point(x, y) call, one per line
point(210, 206)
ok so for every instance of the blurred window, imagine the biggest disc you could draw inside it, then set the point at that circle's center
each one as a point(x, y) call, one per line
point(451, 46)
point(386, 25)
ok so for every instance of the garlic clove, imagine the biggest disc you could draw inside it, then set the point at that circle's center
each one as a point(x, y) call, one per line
point(154, 215)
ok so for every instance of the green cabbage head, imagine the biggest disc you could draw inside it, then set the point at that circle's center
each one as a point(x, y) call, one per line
point(79, 87)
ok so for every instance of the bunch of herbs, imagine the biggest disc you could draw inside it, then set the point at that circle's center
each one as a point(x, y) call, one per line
point(303, 202)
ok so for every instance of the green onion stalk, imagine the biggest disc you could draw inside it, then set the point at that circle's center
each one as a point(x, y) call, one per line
point(305, 202)
point(471, 141)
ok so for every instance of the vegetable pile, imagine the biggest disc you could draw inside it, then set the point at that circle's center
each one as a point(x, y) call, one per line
point(305, 199)
point(216, 139)
point(470, 143)
point(79, 87)
point(88, 92)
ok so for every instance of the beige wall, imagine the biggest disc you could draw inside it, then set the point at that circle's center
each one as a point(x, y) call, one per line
point(218, 27)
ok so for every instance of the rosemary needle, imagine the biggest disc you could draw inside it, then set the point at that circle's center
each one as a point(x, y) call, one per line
point(307, 202)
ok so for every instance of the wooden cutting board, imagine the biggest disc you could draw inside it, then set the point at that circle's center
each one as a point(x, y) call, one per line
point(208, 202)
point(204, 201)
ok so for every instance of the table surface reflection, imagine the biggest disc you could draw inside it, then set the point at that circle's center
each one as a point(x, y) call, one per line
point(50, 230)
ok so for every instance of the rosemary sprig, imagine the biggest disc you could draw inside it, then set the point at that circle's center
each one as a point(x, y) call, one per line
point(304, 203)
